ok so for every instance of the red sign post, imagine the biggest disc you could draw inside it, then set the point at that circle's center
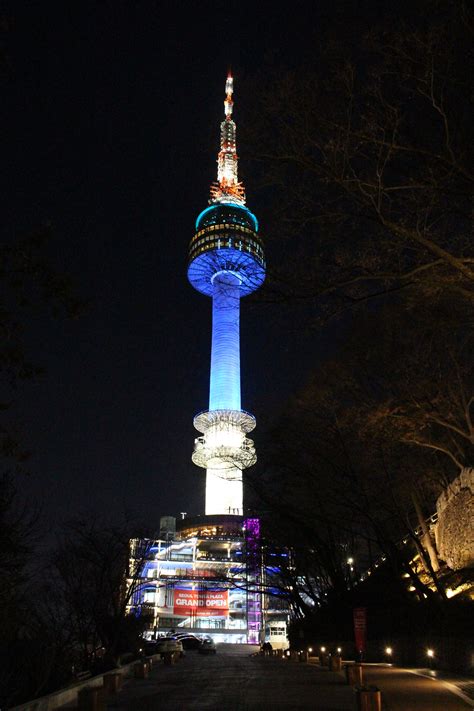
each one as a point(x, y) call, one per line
point(360, 630)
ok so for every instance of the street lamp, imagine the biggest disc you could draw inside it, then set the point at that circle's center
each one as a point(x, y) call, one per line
point(350, 574)
point(430, 654)
point(388, 651)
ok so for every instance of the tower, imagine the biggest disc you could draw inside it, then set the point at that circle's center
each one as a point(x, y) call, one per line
point(207, 574)
point(226, 262)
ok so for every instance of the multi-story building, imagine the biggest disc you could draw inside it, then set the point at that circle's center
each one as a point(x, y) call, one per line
point(210, 575)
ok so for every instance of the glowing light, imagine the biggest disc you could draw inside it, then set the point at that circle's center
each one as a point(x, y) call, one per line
point(228, 188)
point(339, 650)
point(224, 494)
point(388, 651)
point(226, 262)
point(254, 616)
point(323, 649)
point(310, 649)
point(225, 354)
point(350, 561)
point(231, 436)
point(430, 653)
point(212, 208)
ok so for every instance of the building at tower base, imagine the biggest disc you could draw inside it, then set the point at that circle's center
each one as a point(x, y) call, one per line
point(210, 578)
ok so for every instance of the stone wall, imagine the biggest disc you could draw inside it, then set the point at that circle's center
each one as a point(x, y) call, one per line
point(454, 531)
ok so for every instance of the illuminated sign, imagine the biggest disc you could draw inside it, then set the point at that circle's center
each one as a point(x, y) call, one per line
point(201, 603)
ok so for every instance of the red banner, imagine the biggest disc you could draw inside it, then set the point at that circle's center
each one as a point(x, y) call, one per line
point(360, 629)
point(201, 603)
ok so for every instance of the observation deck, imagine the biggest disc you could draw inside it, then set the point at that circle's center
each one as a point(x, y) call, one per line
point(226, 240)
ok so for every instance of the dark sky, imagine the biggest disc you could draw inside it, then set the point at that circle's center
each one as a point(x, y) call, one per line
point(110, 129)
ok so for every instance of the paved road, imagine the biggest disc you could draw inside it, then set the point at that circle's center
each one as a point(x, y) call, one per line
point(233, 681)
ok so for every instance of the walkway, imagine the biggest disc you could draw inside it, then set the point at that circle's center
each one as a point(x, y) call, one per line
point(404, 690)
point(233, 681)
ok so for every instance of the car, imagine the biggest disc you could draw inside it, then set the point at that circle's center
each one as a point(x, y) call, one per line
point(150, 647)
point(189, 641)
point(168, 645)
point(207, 646)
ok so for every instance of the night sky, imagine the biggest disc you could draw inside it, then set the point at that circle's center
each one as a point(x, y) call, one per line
point(110, 131)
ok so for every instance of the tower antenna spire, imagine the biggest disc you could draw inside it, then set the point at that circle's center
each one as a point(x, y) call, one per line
point(227, 188)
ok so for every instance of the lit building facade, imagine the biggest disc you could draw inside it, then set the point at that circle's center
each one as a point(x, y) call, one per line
point(204, 577)
point(207, 573)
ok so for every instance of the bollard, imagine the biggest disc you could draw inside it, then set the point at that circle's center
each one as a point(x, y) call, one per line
point(354, 674)
point(112, 683)
point(92, 698)
point(303, 657)
point(140, 670)
point(368, 698)
point(335, 663)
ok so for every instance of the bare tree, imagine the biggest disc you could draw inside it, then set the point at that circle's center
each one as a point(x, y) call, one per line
point(365, 161)
point(97, 584)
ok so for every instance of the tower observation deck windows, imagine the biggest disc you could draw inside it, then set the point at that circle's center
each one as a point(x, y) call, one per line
point(226, 236)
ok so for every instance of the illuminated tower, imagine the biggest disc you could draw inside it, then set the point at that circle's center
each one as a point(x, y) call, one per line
point(226, 262)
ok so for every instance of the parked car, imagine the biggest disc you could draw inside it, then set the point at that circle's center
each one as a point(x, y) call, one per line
point(189, 641)
point(167, 645)
point(207, 646)
point(150, 647)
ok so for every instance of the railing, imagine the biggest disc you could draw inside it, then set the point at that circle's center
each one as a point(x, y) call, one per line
point(69, 695)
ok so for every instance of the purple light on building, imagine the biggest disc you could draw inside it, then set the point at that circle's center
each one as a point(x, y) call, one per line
point(254, 605)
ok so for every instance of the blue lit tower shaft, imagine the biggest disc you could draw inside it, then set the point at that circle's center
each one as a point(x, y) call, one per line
point(224, 391)
point(226, 262)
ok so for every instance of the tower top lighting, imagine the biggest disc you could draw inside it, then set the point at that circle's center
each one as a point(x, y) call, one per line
point(228, 189)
